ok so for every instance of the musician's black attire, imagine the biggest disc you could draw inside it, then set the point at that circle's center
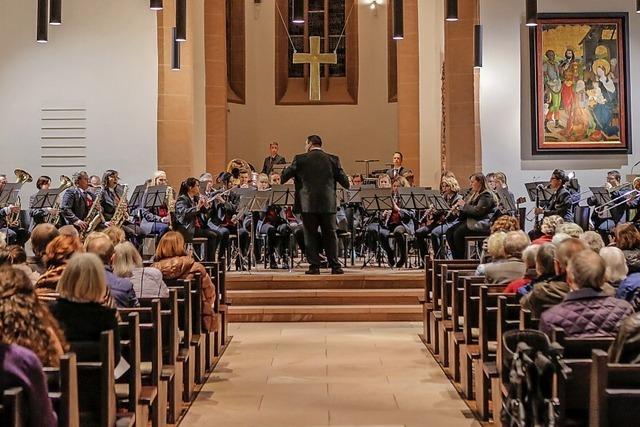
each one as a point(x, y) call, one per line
point(190, 223)
point(273, 224)
point(394, 172)
point(475, 218)
point(440, 223)
point(109, 202)
point(605, 222)
point(15, 235)
point(560, 204)
point(316, 174)
point(75, 205)
point(220, 217)
point(267, 166)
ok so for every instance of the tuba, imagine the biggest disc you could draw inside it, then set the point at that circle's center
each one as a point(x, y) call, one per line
point(22, 176)
point(234, 167)
point(65, 182)
point(121, 213)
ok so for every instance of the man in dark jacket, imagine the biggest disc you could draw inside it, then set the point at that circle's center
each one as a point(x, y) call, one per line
point(560, 202)
point(273, 159)
point(586, 311)
point(316, 174)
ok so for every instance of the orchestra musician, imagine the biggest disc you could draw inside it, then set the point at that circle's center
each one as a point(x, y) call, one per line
point(436, 223)
point(274, 178)
point(94, 184)
point(13, 234)
point(191, 210)
point(397, 169)
point(605, 222)
point(475, 211)
point(274, 225)
point(111, 199)
point(156, 220)
point(39, 216)
point(273, 159)
point(560, 202)
point(77, 201)
point(357, 180)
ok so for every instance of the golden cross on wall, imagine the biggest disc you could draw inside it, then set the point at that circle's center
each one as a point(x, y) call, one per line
point(314, 58)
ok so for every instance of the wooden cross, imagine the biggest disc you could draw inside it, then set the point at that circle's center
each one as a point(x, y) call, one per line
point(314, 58)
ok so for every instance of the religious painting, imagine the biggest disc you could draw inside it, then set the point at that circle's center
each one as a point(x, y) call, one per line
point(580, 87)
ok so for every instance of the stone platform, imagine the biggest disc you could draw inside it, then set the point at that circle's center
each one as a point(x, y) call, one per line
point(359, 295)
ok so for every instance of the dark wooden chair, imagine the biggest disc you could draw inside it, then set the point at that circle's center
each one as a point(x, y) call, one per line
point(614, 393)
point(63, 390)
point(13, 408)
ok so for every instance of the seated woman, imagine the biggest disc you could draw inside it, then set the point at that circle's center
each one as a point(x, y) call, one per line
point(511, 266)
point(627, 239)
point(147, 281)
point(156, 220)
point(616, 264)
point(27, 320)
point(174, 263)
point(436, 224)
point(599, 313)
point(56, 256)
point(80, 309)
point(493, 252)
point(15, 256)
point(548, 229)
point(476, 211)
point(20, 367)
point(530, 274)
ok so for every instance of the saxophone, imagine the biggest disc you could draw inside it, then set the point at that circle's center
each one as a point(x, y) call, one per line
point(171, 205)
point(94, 216)
point(13, 219)
point(65, 182)
point(121, 213)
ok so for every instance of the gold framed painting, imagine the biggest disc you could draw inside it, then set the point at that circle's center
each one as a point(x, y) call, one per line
point(580, 86)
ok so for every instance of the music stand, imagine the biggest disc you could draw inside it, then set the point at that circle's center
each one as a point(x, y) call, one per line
point(9, 194)
point(376, 200)
point(413, 198)
point(366, 165)
point(282, 195)
point(603, 199)
point(353, 195)
point(45, 198)
point(155, 196)
point(137, 195)
point(279, 168)
point(436, 201)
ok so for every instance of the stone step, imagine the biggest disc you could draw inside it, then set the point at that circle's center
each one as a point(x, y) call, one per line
point(347, 281)
point(325, 313)
point(268, 297)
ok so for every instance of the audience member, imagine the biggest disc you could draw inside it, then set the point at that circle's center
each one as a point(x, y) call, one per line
point(41, 236)
point(80, 308)
point(116, 234)
point(586, 311)
point(69, 230)
point(626, 347)
point(56, 256)
point(20, 367)
point(15, 256)
point(548, 228)
point(570, 228)
point(174, 263)
point(627, 238)
point(121, 288)
point(510, 267)
point(558, 238)
point(505, 223)
point(25, 320)
point(545, 267)
point(3, 240)
point(616, 265)
point(594, 240)
point(529, 259)
point(147, 281)
point(494, 250)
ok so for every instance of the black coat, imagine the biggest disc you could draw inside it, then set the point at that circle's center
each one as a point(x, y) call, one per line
point(401, 172)
point(74, 205)
point(186, 214)
point(480, 209)
point(560, 204)
point(267, 166)
point(316, 174)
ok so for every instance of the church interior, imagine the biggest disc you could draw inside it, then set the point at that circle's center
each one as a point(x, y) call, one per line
point(319, 212)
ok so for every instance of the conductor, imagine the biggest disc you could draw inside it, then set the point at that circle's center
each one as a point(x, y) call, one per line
point(315, 174)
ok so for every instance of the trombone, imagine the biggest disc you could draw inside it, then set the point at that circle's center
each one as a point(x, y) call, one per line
point(621, 199)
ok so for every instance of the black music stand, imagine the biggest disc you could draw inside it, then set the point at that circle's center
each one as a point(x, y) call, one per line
point(9, 194)
point(436, 201)
point(376, 200)
point(603, 200)
point(44, 199)
point(245, 204)
point(282, 195)
point(353, 195)
point(538, 191)
point(414, 198)
point(366, 165)
point(259, 204)
point(154, 197)
point(279, 168)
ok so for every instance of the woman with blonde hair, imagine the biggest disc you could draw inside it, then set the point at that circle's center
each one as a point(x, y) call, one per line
point(147, 281)
point(174, 263)
point(82, 289)
point(25, 320)
point(58, 252)
point(156, 220)
point(115, 234)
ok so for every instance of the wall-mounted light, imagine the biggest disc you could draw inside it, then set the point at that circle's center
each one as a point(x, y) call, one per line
point(451, 14)
point(297, 13)
point(181, 20)
point(175, 51)
point(477, 46)
point(531, 13)
point(55, 12)
point(155, 5)
point(374, 5)
point(398, 20)
point(42, 30)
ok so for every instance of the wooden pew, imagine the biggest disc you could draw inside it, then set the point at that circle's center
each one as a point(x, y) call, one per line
point(508, 319)
point(13, 408)
point(614, 393)
point(197, 335)
point(63, 390)
point(431, 267)
point(574, 374)
point(527, 321)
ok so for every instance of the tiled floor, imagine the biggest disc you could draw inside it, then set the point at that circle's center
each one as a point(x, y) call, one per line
point(318, 374)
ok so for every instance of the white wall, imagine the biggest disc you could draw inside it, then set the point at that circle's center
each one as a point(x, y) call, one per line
point(505, 101)
point(364, 131)
point(103, 58)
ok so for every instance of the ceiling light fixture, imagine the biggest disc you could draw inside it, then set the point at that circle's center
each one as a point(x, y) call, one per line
point(297, 12)
point(181, 20)
point(55, 12)
point(532, 13)
point(175, 51)
point(155, 5)
point(398, 20)
point(42, 31)
point(452, 11)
